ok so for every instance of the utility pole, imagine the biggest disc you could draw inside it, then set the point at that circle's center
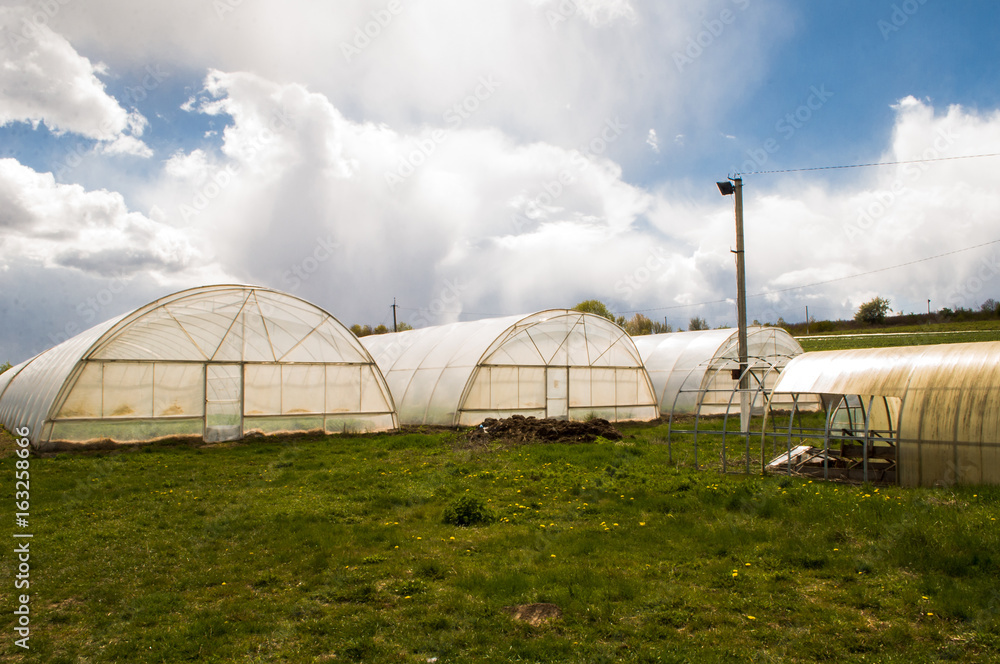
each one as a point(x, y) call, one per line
point(807, 321)
point(735, 186)
point(928, 307)
point(394, 315)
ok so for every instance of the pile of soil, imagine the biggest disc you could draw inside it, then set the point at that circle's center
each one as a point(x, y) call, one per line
point(520, 429)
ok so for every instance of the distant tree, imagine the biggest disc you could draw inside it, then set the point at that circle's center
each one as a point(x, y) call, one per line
point(4, 367)
point(873, 311)
point(990, 306)
point(639, 325)
point(697, 324)
point(595, 307)
point(403, 327)
point(380, 329)
point(361, 330)
point(662, 328)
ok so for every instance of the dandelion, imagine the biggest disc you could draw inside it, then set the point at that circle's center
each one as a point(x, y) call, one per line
point(642, 523)
point(751, 618)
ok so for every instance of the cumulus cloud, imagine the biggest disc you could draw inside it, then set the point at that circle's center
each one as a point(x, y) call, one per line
point(801, 231)
point(44, 80)
point(301, 197)
point(399, 214)
point(565, 66)
point(62, 225)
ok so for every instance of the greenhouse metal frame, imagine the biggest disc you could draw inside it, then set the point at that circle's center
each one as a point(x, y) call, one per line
point(216, 362)
point(931, 412)
point(559, 363)
point(698, 373)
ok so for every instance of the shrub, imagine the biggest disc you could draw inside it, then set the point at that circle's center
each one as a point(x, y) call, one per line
point(468, 511)
point(697, 324)
point(873, 311)
point(595, 307)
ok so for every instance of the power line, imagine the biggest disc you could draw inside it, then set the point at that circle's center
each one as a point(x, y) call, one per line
point(817, 283)
point(878, 163)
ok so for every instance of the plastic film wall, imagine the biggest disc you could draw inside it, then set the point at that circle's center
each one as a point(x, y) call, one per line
point(218, 362)
point(692, 370)
point(948, 403)
point(560, 363)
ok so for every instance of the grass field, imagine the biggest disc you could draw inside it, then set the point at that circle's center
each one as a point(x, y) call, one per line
point(329, 549)
point(905, 335)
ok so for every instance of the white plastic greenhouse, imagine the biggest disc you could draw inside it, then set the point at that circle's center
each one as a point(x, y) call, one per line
point(692, 372)
point(560, 363)
point(217, 363)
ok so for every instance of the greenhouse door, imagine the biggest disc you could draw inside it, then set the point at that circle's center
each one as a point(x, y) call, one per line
point(223, 402)
point(557, 393)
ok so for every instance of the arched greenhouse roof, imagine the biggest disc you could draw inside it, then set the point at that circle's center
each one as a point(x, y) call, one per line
point(946, 398)
point(215, 362)
point(689, 367)
point(557, 363)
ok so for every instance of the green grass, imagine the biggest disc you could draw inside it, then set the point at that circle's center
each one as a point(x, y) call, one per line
point(905, 335)
point(334, 549)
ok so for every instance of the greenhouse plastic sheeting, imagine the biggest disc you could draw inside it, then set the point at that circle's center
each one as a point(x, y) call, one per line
point(216, 362)
point(949, 394)
point(558, 363)
point(692, 370)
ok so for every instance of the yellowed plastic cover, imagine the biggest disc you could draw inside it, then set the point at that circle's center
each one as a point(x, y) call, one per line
point(949, 420)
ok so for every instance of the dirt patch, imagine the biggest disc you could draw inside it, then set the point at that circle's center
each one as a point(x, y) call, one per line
point(520, 429)
point(533, 614)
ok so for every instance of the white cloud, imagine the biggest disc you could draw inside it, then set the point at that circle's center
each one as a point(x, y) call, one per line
point(560, 82)
point(408, 211)
point(531, 225)
point(60, 225)
point(44, 80)
point(653, 141)
point(803, 231)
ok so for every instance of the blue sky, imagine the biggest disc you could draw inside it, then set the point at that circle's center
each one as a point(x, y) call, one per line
point(492, 159)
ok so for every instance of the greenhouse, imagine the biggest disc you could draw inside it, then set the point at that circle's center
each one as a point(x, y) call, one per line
point(693, 372)
point(216, 363)
point(560, 364)
point(916, 415)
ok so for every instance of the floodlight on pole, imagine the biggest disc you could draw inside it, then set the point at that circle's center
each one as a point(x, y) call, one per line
point(729, 188)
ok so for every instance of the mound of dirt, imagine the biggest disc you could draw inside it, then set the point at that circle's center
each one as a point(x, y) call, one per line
point(520, 429)
point(533, 614)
